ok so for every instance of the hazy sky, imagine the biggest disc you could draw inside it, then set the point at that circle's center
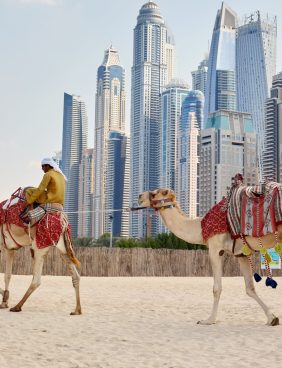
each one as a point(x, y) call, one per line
point(54, 46)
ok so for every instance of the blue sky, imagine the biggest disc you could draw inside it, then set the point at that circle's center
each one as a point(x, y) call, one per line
point(49, 47)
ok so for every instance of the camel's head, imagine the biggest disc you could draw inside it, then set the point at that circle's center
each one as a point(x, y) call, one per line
point(157, 199)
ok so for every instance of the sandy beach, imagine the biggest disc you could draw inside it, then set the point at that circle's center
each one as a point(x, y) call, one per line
point(139, 322)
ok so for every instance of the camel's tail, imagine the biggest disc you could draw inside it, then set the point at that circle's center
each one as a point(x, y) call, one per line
point(70, 250)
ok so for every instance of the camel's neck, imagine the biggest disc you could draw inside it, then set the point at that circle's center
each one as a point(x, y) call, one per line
point(182, 226)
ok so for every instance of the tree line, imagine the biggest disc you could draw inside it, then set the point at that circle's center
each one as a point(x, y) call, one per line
point(163, 240)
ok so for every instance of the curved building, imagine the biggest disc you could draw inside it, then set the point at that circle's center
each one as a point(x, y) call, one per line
point(221, 80)
point(153, 68)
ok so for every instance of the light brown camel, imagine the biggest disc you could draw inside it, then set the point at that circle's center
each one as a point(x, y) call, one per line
point(11, 236)
point(190, 230)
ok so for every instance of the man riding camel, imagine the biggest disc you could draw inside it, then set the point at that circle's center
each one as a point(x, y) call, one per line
point(52, 187)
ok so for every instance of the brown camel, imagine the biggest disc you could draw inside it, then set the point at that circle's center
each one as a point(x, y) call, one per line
point(190, 230)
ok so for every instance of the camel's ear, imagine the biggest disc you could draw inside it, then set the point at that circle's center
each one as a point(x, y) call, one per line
point(165, 192)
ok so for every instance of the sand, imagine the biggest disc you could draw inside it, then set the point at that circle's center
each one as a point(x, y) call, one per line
point(139, 322)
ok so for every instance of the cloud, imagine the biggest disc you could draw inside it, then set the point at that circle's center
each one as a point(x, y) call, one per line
point(42, 2)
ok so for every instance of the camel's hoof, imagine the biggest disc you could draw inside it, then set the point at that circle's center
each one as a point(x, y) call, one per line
point(3, 305)
point(76, 313)
point(275, 321)
point(206, 322)
point(16, 309)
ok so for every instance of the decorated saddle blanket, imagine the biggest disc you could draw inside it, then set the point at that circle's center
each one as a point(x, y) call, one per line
point(254, 212)
point(215, 221)
point(49, 227)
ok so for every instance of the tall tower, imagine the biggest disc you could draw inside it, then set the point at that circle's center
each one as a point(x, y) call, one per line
point(73, 145)
point(117, 185)
point(187, 164)
point(153, 68)
point(171, 102)
point(272, 155)
point(85, 194)
point(221, 81)
point(255, 67)
point(199, 76)
point(109, 115)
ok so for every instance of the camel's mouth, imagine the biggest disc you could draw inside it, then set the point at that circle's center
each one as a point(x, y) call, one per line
point(144, 199)
point(159, 198)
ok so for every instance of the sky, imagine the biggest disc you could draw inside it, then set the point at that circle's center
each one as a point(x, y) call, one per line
point(49, 47)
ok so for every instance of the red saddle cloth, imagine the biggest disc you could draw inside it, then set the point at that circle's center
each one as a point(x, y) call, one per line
point(215, 221)
point(11, 214)
point(48, 229)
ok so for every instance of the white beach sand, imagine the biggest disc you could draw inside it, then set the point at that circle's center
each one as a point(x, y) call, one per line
point(139, 322)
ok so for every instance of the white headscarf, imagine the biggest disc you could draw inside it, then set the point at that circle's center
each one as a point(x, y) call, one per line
point(51, 162)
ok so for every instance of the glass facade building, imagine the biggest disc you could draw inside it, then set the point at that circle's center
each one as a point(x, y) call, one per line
point(272, 155)
point(255, 67)
point(190, 123)
point(109, 115)
point(221, 80)
point(199, 76)
point(117, 184)
point(73, 145)
point(153, 68)
point(171, 102)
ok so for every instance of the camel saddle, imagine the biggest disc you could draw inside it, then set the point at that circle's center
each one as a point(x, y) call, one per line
point(49, 219)
point(254, 211)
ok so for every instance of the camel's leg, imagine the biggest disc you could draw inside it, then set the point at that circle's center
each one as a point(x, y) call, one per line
point(272, 320)
point(75, 275)
point(216, 263)
point(75, 282)
point(39, 255)
point(9, 254)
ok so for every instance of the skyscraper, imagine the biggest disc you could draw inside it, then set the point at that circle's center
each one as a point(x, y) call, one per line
point(199, 76)
point(109, 115)
point(272, 155)
point(117, 185)
point(85, 194)
point(221, 81)
point(171, 102)
point(255, 67)
point(73, 145)
point(228, 147)
point(187, 162)
point(153, 68)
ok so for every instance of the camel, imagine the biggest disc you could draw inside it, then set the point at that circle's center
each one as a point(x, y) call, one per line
point(12, 238)
point(164, 201)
